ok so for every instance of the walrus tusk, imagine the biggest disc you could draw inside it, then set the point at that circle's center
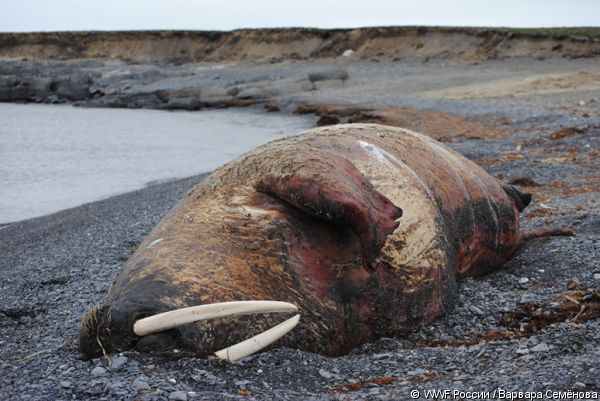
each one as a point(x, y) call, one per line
point(168, 320)
point(258, 342)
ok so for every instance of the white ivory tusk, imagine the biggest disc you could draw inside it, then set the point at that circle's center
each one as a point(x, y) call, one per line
point(168, 320)
point(258, 342)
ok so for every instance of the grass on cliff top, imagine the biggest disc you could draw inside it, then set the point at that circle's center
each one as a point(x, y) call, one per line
point(555, 32)
point(585, 31)
point(324, 33)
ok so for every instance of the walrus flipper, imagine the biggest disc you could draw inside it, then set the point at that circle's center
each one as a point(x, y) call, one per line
point(540, 232)
point(521, 199)
point(346, 199)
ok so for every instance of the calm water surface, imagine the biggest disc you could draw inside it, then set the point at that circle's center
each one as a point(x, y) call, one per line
point(56, 157)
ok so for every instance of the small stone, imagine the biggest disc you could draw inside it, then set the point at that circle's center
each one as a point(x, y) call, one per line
point(327, 75)
point(118, 362)
point(541, 347)
point(476, 310)
point(192, 394)
point(581, 103)
point(347, 53)
point(526, 298)
point(578, 386)
point(327, 120)
point(572, 283)
point(65, 384)
point(522, 351)
point(25, 319)
point(178, 396)
point(417, 372)
point(272, 108)
point(241, 383)
point(210, 377)
point(596, 276)
point(139, 385)
point(172, 381)
point(98, 371)
point(326, 374)
point(523, 280)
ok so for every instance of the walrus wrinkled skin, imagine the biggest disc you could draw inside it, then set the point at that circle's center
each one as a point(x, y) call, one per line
point(366, 228)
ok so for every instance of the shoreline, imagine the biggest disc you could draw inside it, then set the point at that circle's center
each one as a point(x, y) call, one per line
point(149, 185)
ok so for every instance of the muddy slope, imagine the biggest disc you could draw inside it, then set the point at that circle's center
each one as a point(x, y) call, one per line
point(302, 43)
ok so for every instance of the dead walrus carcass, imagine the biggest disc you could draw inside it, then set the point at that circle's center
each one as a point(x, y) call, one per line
point(311, 225)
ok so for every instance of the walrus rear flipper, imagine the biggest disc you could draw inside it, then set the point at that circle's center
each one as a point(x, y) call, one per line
point(528, 234)
point(521, 199)
point(342, 196)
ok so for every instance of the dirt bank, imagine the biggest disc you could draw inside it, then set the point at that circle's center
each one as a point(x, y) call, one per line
point(302, 43)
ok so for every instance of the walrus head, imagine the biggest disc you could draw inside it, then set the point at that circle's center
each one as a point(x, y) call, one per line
point(217, 271)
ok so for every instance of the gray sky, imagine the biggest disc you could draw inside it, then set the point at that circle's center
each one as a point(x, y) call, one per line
point(60, 15)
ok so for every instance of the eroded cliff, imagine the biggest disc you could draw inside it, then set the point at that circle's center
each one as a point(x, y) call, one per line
point(302, 43)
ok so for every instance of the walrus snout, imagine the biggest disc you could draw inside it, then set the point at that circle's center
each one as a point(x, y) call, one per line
point(106, 329)
point(164, 341)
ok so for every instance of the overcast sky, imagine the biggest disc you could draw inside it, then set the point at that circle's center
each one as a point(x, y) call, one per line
point(61, 15)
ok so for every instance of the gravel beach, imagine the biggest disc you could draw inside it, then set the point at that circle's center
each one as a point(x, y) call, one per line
point(530, 327)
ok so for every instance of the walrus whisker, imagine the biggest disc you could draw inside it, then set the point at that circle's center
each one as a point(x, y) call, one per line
point(258, 342)
point(168, 320)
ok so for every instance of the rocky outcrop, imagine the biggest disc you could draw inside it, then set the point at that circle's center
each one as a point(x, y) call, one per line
point(165, 86)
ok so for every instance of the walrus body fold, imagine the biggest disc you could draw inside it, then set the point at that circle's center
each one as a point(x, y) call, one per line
point(365, 228)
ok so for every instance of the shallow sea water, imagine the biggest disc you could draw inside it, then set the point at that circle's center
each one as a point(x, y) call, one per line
point(55, 157)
